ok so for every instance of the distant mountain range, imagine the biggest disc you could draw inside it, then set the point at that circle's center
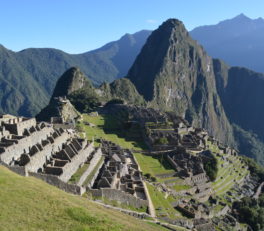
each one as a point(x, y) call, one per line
point(238, 41)
point(28, 77)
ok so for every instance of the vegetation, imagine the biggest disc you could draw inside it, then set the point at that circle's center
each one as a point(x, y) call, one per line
point(108, 127)
point(153, 165)
point(84, 100)
point(122, 89)
point(115, 101)
point(211, 168)
point(76, 176)
point(254, 168)
point(251, 212)
point(90, 176)
point(162, 204)
point(28, 77)
point(162, 140)
point(29, 204)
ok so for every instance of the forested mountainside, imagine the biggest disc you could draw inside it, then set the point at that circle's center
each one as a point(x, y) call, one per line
point(28, 77)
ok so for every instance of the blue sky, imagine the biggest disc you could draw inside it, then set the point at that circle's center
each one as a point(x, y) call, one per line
point(76, 26)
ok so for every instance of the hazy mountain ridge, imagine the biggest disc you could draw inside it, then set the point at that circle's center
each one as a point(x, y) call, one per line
point(29, 76)
point(238, 41)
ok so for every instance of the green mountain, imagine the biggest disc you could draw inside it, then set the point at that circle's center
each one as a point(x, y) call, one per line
point(74, 90)
point(28, 77)
point(241, 93)
point(121, 89)
point(174, 73)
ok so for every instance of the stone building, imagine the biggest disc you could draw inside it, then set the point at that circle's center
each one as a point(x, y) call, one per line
point(41, 148)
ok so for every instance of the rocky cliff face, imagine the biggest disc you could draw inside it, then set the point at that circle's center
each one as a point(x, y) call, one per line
point(174, 73)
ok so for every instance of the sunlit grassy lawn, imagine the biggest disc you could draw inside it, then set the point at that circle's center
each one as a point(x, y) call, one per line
point(99, 132)
point(151, 165)
point(28, 204)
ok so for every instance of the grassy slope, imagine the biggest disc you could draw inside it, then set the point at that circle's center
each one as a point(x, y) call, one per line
point(28, 204)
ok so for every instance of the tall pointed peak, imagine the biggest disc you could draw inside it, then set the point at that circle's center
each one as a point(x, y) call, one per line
point(165, 44)
point(241, 16)
point(71, 80)
point(172, 25)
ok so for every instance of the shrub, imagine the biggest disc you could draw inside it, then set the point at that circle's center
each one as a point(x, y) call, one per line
point(162, 140)
point(210, 167)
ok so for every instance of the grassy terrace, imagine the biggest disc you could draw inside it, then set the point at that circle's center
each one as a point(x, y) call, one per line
point(163, 205)
point(90, 176)
point(76, 176)
point(227, 175)
point(29, 204)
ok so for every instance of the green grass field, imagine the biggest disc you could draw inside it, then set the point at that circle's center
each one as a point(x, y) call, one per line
point(28, 204)
point(154, 166)
point(106, 128)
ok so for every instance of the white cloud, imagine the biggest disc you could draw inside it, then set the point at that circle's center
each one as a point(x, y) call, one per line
point(151, 21)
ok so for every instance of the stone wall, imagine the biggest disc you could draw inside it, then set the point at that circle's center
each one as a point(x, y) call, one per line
point(38, 159)
point(18, 125)
point(14, 151)
point(117, 195)
point(223, 211)
point(96, 158)
point(55, 181)
point(17, 169)
point(70, 168)
point(165, 175)
point(172, 162)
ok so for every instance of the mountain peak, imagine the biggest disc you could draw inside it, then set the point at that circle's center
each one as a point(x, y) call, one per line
point(71, 80)
point(172, 22)
point(242, 16)
point(171, 25)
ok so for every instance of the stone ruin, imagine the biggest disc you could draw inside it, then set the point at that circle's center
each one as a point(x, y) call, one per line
point(29, 147)
point(120, 175)
point(193, 209)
